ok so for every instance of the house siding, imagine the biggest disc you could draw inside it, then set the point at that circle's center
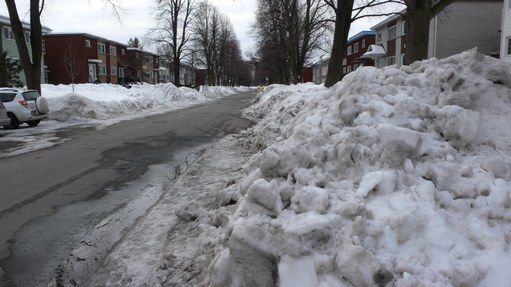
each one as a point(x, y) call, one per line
point(466, 25)
point(506, 31)
point(459, 27)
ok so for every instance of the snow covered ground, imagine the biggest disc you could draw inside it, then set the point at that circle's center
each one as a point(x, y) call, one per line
point(111, 103)
point(393, 177)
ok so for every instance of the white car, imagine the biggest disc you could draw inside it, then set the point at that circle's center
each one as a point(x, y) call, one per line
point(23, 106)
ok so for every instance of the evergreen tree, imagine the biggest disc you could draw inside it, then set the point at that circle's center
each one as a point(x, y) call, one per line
point(134, 43)
point(9, 72)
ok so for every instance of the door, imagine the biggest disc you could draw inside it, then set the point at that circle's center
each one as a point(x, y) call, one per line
point(92, 73)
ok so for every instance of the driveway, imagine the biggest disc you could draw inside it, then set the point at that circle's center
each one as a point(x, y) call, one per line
point(92, 166)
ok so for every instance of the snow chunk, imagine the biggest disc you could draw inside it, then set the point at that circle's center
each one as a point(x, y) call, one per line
point(297, 272)
point(264, 194)
point(385, 180)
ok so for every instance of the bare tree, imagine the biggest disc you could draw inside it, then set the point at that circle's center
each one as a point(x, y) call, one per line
point(217, 47)
point(288, 31)
point(31, 65)
point(72, 63)
point(172, 31)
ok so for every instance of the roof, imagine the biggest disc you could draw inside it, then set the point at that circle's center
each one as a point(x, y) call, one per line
point(26, 25)
point(374, 51)
point(85, 35)
point(143, 51)
point(361, 35)
point(389, 19)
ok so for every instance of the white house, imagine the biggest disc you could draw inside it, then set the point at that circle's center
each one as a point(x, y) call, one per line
point(461, 26)
point(505, 49)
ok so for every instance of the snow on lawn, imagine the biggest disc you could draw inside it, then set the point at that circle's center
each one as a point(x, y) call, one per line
point(107, 101)
point(397, 177)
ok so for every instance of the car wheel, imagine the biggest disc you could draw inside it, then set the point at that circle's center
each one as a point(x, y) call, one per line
point(33, 123)
point(15, 123)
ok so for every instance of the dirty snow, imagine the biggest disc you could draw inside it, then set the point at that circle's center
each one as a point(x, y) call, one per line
point(393, 177)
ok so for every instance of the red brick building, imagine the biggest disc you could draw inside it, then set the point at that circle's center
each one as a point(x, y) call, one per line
point(356, 47)
point(97, 60)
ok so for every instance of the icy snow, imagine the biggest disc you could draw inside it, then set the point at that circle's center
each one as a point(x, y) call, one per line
point(393, 177)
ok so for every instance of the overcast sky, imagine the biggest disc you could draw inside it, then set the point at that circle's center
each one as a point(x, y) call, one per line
point(96, 17)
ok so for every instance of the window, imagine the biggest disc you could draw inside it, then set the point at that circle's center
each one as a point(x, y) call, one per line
point(403, 29)
point(31, 96)
point(113, 70)
point(8, 33)
point(101, 48)
point(363, 43)
point(355, 48)
point(121, 73)
point(102, 70)
point(123, 51)
point(350, 50)
point(344, 62)
point(113, 50)
point(87, 43)
point(378, 37)
point(7, 97)
point(391, 60)
point(344, 70)
point(392, 32)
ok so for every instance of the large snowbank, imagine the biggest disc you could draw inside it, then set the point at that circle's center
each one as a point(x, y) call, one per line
point(393, 177)
point(105, 101)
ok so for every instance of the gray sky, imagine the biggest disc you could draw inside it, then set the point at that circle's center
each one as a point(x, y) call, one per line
point(96, 17)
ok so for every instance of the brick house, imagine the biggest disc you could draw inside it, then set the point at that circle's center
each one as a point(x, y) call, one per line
point(357, 46)
point(461, 26)
point(99, 60)
point(7, 43)
point(505, 47)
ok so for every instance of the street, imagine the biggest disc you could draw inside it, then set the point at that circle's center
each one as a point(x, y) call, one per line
point(91, 166)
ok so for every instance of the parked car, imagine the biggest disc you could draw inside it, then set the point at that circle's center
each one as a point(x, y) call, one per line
point(23, 107)
point(4, 119)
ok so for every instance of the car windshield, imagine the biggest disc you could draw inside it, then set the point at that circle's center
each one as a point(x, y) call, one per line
point(7, 97)
point(31, 96)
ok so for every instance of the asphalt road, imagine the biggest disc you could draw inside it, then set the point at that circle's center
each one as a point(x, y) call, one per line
point(34, 186)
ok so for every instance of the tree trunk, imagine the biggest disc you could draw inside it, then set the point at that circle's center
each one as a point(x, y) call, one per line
point(177, 69)
point(31, 65)
point(418, 16)
point(342, 29)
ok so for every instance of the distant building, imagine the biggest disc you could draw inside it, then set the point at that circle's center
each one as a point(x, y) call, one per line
point(142, 66)
point(461, 26)
point(99, 60)
point(357, 46)
point(7, 43)
point(505, 49)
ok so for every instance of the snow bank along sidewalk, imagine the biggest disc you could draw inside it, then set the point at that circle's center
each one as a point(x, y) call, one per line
point(393, 177)
point(107, 101)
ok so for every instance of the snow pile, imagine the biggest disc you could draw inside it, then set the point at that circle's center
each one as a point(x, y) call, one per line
point(393, 177)
point(214, 91)
point(105, 101)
